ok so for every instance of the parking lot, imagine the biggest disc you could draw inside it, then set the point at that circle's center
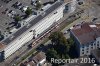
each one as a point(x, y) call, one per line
point(10, 8)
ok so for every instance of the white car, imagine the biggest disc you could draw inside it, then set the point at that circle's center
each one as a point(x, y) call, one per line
point(13, 12)
point(24, 8)
point(10, 15)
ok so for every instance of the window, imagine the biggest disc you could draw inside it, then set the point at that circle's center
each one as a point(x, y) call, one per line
point(91, 44)
point(98, 42)
point(82, 49)
point(82, 52)
point(55, 12)
point(87, 51)
point(91, 47)
point(82, 46)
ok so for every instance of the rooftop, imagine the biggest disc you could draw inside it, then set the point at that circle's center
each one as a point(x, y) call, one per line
point(36, 59)
point(40, 56)
point(46, 1)
point(86, 32)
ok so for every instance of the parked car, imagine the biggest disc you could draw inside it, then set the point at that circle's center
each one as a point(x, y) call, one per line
point(20, 6)
point(11, 13)
point(80, 3)
point(24, 8)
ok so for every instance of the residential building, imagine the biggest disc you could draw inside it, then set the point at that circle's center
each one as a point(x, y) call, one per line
point(38, 60)
point(87, 37)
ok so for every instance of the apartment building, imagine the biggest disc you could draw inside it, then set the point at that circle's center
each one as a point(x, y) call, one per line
point(87, 37)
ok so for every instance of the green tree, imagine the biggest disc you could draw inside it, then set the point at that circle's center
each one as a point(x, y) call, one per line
point(28, 11)
point(38, 5)
point(60, 44)
point(59, 41)
point(17, 18)
point(70, 41)
point(51, 53)
point(57, 38)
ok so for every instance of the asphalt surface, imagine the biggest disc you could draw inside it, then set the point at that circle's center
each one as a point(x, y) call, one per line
point(5, 20)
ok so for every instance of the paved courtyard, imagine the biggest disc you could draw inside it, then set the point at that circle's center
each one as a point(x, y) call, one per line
point(5, 8)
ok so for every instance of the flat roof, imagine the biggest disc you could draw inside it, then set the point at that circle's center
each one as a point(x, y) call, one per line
point(38, 57)
point(33, 22)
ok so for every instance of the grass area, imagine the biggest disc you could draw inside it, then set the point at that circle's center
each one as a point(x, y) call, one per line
point(45, 40)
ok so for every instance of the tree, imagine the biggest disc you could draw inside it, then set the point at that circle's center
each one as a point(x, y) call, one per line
point(59, 45)
point(57, 38)
point(28, 11)
point(59, 41)
point(38, 5)
point(70, 41)
point(51, 53)
point(17, 18)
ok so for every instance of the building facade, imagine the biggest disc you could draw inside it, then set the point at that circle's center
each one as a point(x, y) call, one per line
point(87, 37)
